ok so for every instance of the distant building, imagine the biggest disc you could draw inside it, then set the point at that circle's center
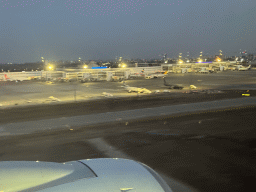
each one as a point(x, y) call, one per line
point(250, 57)
point(92, 64)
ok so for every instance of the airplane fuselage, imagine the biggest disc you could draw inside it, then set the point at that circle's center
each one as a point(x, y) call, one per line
point(172, 86)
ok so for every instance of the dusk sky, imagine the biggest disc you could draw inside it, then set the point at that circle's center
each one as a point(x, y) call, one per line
point(104, 29)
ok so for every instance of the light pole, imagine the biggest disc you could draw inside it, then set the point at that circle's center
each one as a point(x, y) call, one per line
point(75, 91)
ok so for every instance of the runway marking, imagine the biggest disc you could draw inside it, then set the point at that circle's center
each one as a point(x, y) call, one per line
point(3, 132)
point(197, 137)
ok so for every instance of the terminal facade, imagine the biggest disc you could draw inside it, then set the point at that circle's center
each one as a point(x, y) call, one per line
point(112, 74)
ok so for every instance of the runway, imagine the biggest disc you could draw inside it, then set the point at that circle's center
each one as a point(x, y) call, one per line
point(99, 118)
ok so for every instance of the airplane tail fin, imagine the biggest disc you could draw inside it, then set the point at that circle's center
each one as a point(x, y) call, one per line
point(124, 84)
point(6, 77)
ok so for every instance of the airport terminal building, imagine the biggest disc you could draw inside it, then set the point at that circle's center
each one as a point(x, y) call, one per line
point(95, 73)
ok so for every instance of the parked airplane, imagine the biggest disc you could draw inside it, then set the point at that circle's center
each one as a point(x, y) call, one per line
point(172, 86)
point(117, 78)
point(6, 78)
point(136, 89)
point(203, 70)
point(232, 68)
point(136, 75)
point(156, 75)
point(193, 87)
point(245, 68)
point(71, 79)
point(105, 94)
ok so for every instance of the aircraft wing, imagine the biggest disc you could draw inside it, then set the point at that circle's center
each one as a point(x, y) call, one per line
point(102, 174)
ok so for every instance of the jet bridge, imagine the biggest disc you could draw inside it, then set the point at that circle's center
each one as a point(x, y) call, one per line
point(98, 76)
point(118, 75)
point(52, 75)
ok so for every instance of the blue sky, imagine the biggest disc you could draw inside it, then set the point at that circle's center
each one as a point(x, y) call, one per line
point(66, 30)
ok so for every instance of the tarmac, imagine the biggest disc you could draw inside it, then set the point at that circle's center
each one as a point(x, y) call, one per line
point(28, 93)
point(127, 115)
point(208, 151)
